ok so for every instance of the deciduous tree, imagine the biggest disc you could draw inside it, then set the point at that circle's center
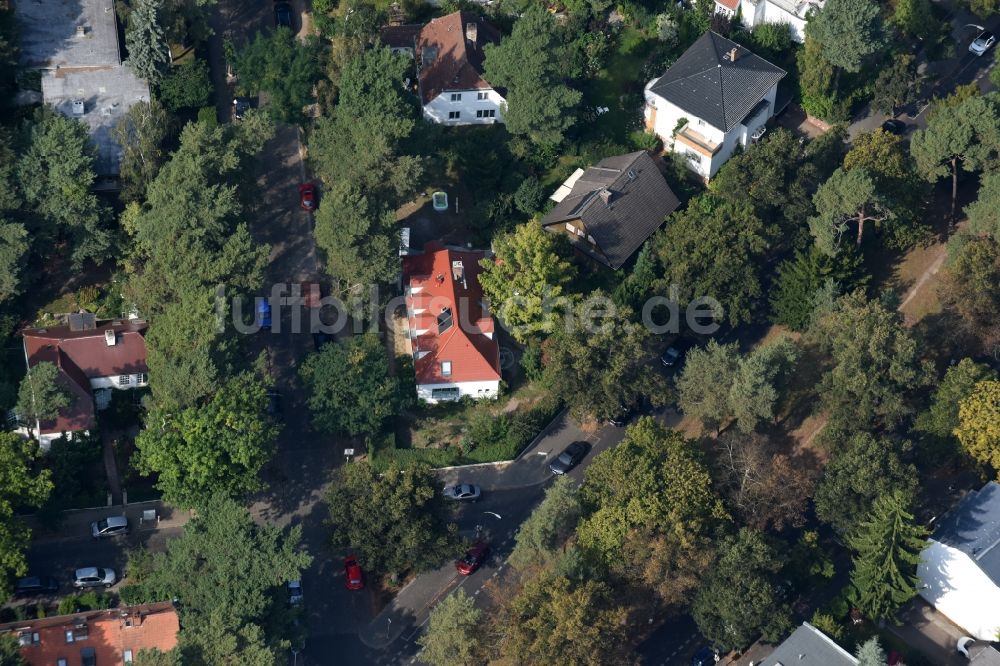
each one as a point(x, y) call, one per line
point(866, 468)
point(739, 597)
point(914, 18)
point(350, 389)
point(715, 249)
point(215, 449)
point(760, 381)
point(526, 282)
point(546, 530)
point(225, 570)
point(939, 421)
point(529, 64)
point(369, 509)
point(14, 247)
point(984, 212)
point(979, 423)
point(971, 287)
point(21, 487)
point(140, 133)
point(849, 31)
point(186, 86)
point(282, 66)
point(452, 635)
point(556, 620)
point(148, 51)
point(896, 85)
point(869, 383)
point(653, 485)
point(42, 394)
point(599, 365)
point(887, 547)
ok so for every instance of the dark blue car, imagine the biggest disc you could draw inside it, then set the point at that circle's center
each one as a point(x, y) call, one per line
point(705, 657)
point(264, 315)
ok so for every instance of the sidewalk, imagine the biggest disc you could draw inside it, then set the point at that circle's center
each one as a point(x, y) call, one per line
point(76, 522)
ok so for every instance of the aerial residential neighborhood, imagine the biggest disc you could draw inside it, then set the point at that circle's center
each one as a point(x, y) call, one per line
point(513, 332)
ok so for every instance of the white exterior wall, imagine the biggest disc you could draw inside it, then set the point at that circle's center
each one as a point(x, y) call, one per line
point(487, 389)
point(115, 382)
point(437, 109)
point(667, 116)
point(955, 585)
point(45, 440)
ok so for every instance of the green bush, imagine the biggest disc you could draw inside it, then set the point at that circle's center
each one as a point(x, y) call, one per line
point(186, 86)
point(207, 115)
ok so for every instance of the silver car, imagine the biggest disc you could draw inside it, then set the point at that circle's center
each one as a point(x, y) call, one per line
point(462, 491)
point(94, 577)
point(982, 43)
point(110, 526)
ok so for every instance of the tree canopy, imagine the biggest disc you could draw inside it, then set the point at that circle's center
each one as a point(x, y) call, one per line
point(282, 66)
point(215, 448)
point(42, 394)
point(452, 632)
point(369, 509)
point(979, 423)
point(148, 51)
point(940, 420)
point(888, 547)
point(529, 64)
point(848, 31)
point(350, 388)
point(601, 366)
point(740, 596)
point(21, 487)
point(546, 530)
point(527, 280)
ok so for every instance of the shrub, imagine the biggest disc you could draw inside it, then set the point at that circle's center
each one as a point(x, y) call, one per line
point(207, 116)
point(186, 86)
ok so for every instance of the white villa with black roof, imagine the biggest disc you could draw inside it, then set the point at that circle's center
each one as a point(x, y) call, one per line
point(959, 570)
point(717, 96)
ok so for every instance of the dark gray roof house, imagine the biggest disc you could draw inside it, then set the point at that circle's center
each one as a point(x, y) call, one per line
point(983, 655)
point(973, 527)
point(808, 646)
point(718, 81)
point(610, 209)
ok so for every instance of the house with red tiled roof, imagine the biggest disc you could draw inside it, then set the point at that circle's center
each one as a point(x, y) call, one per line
point(104, 637)
point(449, 52)
point(93, 359)
point(451, 332)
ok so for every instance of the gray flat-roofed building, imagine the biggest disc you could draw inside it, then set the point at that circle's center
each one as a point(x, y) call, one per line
point(75, 44)
point(808, 646)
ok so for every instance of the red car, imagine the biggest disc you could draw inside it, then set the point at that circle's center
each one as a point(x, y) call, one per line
point(307, 196)
point(473, 559)
point(354, 579)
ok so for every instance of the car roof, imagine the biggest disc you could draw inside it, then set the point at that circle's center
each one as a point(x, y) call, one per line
point(295, 584)
point(30, 580)
point(115, 521)
point(86, 572)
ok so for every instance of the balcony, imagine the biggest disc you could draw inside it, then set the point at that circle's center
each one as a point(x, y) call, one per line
point(697, 141)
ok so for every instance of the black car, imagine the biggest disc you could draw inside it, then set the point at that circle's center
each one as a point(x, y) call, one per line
point(671, 357)
point(283, 15)
point(273, 402)
point(569, 458)
point(620, 418)
point(241, 105)
point(893, 126)
point(706, 656)
point(33, 585)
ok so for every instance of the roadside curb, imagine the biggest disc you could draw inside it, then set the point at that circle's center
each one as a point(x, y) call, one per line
point(498, 463)
point(543, 433)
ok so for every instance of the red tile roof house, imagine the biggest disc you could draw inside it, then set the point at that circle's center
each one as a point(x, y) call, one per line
point(451, 332)
point(106, 637)
point(93, 358)
point(450, 56)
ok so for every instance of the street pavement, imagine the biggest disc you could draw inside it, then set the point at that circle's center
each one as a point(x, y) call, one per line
point(60, 552)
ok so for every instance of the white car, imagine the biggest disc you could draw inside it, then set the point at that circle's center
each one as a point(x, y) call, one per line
point(294, 592)
point(108, 527)
point(462, 491)
point(982, 43)
point(94, 577)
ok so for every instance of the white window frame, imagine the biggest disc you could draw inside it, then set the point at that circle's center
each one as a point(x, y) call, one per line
point(456, 97)
point(141, 379)
point(482, 95)
point(127, 657)
point(124, 380)
point(446, 368)
point(454, 115)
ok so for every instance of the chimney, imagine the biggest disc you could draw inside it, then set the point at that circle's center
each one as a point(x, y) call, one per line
point(472, 32)
point(606, 196)
point(81, 30)
point(732, 54)
point(78, 107)
point(109, 337)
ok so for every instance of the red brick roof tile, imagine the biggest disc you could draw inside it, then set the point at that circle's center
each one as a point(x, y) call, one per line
point(458, 62)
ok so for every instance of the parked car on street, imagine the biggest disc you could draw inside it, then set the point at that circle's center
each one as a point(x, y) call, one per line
point(94, 577)
point(263, 315)
point(706, 656)
point(295, 592)
point(307, 196)
point(241, 105)
point(282, 15)
point(354, 578)
point(621, 418)
point(473, 558)
point(273, 402)
point(893, 126)
point(109, 527)
point(671, 357)
point(982, 43)
point(32, 585)
point(569, 458)
point(462, 491)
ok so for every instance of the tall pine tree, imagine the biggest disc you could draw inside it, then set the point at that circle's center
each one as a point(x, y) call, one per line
point(887, 549)
point(148, 51)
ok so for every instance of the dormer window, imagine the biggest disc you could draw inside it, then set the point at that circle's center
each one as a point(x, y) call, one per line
point(444, 320)
point(446, 368)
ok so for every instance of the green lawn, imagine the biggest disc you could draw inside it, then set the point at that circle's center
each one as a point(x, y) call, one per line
point(619, 85)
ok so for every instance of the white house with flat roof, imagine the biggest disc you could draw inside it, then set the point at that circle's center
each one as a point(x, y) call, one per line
point(75, 45)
